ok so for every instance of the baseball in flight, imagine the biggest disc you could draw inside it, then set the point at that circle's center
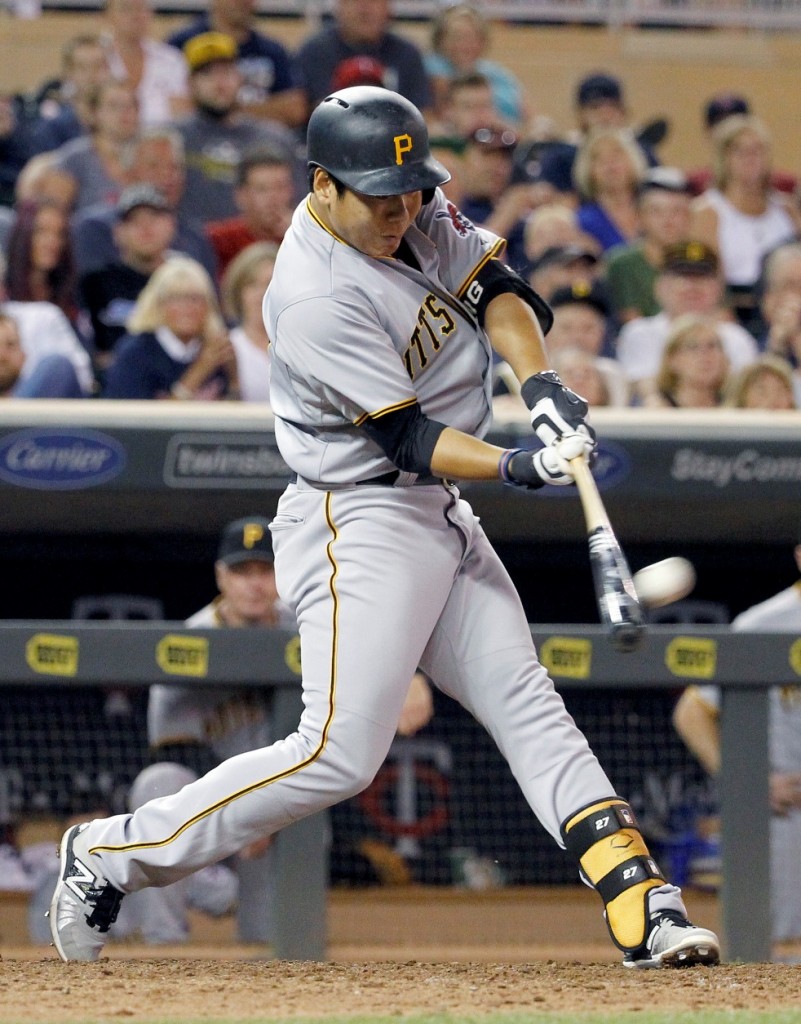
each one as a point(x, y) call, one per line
point(664, 582)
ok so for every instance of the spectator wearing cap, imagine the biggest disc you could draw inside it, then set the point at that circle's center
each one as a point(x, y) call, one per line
point(360, 28)
point(489, 197)
point(581, 320)
point(265, 198)
point(663, 202)
point(599, 104)
point(563, 266)
point(715, 111)
point(156, 157)
point(460, 40)
point(689, 282)
point(155, 71)
point(576, 340)
point(742, 216)
point(143, 234)
point(608, 171)
point(270, 87)
point(217, 133)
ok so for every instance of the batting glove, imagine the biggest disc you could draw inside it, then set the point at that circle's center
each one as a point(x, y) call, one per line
point(548, 465)
point(556, 411)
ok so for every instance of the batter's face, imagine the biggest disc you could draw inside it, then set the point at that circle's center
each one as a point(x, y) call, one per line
point(374, 225)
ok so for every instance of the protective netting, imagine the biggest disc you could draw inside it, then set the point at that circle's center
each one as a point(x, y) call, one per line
point(443, 810)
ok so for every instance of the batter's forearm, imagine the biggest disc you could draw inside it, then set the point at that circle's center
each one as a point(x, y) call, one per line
point(516, 335)
point(459, 456)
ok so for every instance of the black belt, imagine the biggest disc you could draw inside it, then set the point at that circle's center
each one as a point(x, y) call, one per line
point(385, 480)
point(391, 478)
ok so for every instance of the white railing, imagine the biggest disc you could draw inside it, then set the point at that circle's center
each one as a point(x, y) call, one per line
point(766, 15)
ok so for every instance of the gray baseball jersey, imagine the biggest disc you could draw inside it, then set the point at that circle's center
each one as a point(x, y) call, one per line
point(779, 614)
point(354, 336)
point(382, 579)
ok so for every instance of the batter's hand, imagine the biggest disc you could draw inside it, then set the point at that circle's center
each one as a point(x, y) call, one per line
point(549, 465)
point(556, 411)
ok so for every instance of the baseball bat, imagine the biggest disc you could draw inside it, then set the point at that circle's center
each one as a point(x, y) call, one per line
point(618, 606)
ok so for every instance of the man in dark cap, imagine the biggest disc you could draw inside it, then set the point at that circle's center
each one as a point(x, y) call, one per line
point(690, 281)
point(143, 234)
point(663, 203)
point(599, 103)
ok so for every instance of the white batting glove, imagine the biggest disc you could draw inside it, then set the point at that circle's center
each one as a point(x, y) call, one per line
point(556, 411)
point(531, 470)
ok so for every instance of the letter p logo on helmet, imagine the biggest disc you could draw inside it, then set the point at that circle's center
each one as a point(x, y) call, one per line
point(403, 144)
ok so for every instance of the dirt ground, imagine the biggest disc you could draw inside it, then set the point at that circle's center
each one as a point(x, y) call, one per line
point(391, 952)
point(146, 990)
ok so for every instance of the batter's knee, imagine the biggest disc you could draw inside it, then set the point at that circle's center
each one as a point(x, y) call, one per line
point(607, 842)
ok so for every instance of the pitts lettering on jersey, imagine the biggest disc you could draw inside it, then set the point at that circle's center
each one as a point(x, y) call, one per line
point(460, 224)
point(434, 323)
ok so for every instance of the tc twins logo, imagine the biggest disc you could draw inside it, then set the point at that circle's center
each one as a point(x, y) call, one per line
point(460, 224)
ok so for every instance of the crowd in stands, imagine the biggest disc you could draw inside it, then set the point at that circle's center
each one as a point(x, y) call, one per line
point(146, 187)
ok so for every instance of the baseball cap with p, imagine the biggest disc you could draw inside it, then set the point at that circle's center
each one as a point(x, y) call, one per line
point(209, 48)
point(246, 540)
point(695, 258)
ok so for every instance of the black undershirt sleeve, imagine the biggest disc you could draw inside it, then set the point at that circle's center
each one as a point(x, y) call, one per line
point(495, 278)
point(407, 436)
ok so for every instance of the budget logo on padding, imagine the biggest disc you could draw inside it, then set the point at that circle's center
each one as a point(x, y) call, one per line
point(183, 655)
point(52, 655)
point(566, 656)
point(692, 656)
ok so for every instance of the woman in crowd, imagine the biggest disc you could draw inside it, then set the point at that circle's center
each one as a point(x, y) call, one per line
point(459, 43)
point(40, 262)
point(177, 345)
point(694, 369)
point(607, 173)
point(243, 288)
point(765, 384)
point(742, 216)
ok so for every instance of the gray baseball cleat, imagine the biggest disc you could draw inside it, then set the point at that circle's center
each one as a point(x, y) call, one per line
point(674, 942)
point(84, 905)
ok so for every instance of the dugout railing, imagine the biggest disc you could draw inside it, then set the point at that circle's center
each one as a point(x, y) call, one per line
point(66, 653)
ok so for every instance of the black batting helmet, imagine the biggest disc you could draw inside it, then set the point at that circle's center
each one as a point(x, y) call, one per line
point(374, 141)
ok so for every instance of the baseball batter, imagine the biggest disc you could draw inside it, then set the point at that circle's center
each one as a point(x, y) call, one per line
point(383, 312)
